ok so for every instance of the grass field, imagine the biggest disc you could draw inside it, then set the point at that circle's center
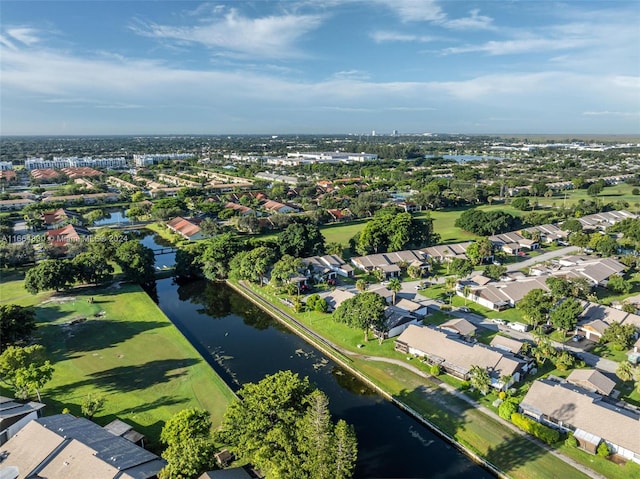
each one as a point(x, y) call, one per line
point(610, 194)
point(131, 354)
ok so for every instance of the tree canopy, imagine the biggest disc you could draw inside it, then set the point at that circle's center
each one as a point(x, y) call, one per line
point(25, 369)
point(136, 261)
point(17, 323)
point(364, 311)
point(535, 306)
point(394, 232)
point(486, 223)
point(282, 425)
point(49, 274)
point(301, 240)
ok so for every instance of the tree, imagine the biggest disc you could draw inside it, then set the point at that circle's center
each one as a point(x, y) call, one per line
point(479, 378)
point(17, 323)
point(49, 274)
point(25, 369)
point(461, 267)
point(136, 261)
point(190, 449)
point(301, 240)
point(473, 253)
point(466, 291)
point(617, 284)
point(282, 425)
point(253, 265)
point(210, 227)
point(535, 306)
point(364, 311)
point(91, 405)
point(572, 225)
point(89, 268)
point(218, 253)
point(249, 223)
point(565, 315)
point(625, 371)
point(285, 268)
point(620, 336)
point(494, 271)
point(361, 285)
point(414, 271)
point(16, 254)
point(450, 283)
point(395, 286)
point(521, 204)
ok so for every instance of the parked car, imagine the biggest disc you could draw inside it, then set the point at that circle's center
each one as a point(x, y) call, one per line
point(522, 254)
point(577, 338)
point(498, 321)
point(464, 309)
point(420, 286)
point(523, 328)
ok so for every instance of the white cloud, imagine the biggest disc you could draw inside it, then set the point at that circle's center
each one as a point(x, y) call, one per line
point(388, 36)
point(25, 35)
point(523, 45)
point(415, 10)
point(272, 36)
point(473, 22)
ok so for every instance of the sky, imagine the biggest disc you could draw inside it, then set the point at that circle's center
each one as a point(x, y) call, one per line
point(319, 67)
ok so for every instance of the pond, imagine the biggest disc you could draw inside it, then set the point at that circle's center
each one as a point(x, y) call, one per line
point(244, 344)
point(113, 217)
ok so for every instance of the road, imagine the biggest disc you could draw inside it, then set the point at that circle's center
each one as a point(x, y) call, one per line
point(542, 258)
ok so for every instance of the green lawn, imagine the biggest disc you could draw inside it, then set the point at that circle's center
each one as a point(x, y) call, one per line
point(132, 355)
point(511, 452)
point(610, 194)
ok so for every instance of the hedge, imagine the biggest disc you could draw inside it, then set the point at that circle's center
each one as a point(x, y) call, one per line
point(542, 432)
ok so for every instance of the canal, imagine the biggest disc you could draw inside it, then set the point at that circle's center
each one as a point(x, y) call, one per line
point(244, 344)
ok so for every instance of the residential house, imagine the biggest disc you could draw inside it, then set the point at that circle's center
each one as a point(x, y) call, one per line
point(601, 221)
point(447, 252)
point(189, 229)
point(15, 204)
point(63, 446)
point(457, 356)
point(14, 415)
point(592, 418)
point(389, 263)
point(548, 233)
point(240, 209)
point(592, 380)
point(417, 309)
point(338, 215)
point(383, 291)
point(506, 343)
point(277, 207)
point(67, 234)
point(396, 321)
point(336, 297)
point(459, 326)
point(504, 294)
point(328, 266)
point(60, 217)
point(596, 318)
point(513, 242)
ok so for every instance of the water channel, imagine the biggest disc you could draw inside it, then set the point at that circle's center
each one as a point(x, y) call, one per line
point(243, 344)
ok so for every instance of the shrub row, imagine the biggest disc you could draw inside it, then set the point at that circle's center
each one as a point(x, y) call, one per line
point(542, 432)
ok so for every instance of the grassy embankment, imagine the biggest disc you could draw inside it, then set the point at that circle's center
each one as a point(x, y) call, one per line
point(485, 435)
point(131, 355)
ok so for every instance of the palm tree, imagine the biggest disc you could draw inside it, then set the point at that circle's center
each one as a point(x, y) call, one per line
point(361, 285)
point(466, 291)
point(480, 379)
point(625, 371)
point(450, 284)
point(394, 285)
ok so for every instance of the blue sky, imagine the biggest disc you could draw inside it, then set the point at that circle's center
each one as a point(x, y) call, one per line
point(319, 66)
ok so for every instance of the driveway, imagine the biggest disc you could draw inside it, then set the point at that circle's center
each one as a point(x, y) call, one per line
point(542, 258)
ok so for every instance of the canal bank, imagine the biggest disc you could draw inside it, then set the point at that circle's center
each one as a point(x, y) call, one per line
point(340, 356)
point(346, 359)
point(243, 343)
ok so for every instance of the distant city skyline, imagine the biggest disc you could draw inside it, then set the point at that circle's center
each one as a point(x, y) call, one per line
point(319, 67)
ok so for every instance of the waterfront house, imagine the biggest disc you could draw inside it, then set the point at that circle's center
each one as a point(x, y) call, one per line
point(63, 446)
point(590, 416)
point(189, 229)
point(457, 356)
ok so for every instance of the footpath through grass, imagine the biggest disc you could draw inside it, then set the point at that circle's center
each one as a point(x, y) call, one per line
point(123, 348)
point(511, 452)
